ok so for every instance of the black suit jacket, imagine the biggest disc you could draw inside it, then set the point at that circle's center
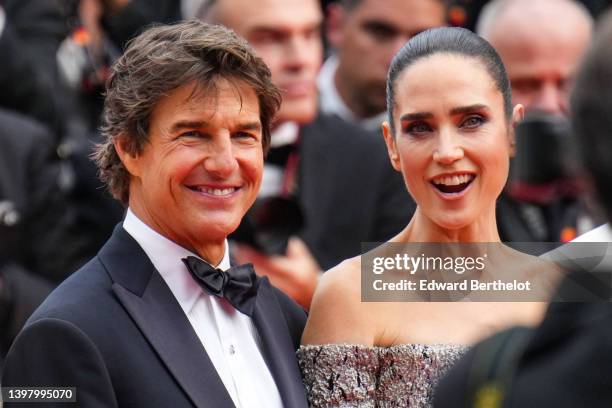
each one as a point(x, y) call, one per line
point(42, 247)
point(115, 332)
point(29, 78)
point(348, 190)
point(132, 19)
point(567, 362)
point(44, 240)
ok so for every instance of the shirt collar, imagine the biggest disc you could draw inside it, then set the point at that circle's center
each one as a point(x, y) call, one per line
point(166, 255)
point(284, 134)
point(331, 102)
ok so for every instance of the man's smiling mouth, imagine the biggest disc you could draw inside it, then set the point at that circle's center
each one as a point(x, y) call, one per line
point(214, 191)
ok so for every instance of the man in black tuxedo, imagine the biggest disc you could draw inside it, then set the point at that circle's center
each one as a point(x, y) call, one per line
point(567, 360)
point(158, 318)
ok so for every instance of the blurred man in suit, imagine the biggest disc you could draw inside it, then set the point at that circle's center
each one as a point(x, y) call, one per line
point(365, 35)
point(541, 43)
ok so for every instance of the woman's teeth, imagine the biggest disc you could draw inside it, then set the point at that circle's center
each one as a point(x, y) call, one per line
point(453, 180)
point(453, 184)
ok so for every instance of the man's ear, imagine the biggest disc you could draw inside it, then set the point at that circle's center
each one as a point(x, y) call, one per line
point(391, 146)
point(333, 24)
point(130, 160)
point(518, 113)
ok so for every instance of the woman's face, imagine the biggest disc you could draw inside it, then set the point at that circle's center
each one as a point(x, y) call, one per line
point(452, 141)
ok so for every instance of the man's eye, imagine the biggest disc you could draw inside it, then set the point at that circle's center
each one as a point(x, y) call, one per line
point(381, 32)
point(314, 32)
point(244, 135)
point(268, 37)
point(473, 122)
point(526, 85)
point(191, 133)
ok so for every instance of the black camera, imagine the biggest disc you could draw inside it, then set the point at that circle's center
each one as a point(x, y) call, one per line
point(9, 229)
point(269, 224)
point(544, 150)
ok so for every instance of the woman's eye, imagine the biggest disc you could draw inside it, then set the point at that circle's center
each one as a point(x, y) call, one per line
point(417, 128)
point(473, 122)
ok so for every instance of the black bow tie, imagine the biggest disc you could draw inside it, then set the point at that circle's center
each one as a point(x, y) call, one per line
point(238, 284)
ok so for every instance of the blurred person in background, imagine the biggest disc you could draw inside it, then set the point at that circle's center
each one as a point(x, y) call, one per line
point(31, 32)
point(39, 245)
point(541, 43)
point(337, 174)
point(566, 362)
point(365, 35)
point(54, 213)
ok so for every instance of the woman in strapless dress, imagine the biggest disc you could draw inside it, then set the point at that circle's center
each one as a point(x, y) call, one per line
point(450, 133)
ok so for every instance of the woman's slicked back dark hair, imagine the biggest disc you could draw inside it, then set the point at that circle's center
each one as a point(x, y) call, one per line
point(448, 40)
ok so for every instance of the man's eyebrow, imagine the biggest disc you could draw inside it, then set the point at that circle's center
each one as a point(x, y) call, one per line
point(468, 109)
point(255, 126)
point(198, 124)
point(187, 124)
point(268, 29)
point(281, 29)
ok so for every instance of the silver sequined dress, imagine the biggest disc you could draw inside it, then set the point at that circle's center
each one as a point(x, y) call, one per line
point(338, 375)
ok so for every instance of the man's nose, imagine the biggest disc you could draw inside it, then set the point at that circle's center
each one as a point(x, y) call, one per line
point(550, 99)
point(221, 160)
point(448, 149)
point(301, 52)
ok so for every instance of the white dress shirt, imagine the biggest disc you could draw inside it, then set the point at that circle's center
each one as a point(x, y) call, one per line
point(602, 233)
point(331, 102)
point(228, 336)
point(2, 19)
point(272, 179)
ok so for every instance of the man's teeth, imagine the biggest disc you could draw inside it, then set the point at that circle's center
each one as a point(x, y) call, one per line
point(453, 180)
point(217, 191)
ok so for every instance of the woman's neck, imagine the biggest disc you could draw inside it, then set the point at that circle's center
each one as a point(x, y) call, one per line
point(423, 229)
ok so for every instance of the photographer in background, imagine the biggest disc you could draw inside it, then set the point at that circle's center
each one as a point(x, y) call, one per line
point(30, 34)
point(541, 43)
point(38, 244)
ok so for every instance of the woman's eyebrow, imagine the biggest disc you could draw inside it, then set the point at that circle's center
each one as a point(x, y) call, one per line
point(416, 116)
point(468, 109)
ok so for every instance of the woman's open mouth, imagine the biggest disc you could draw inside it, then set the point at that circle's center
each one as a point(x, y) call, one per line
point(454, 184)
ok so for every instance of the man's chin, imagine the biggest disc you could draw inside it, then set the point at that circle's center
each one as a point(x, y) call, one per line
point(299, 111)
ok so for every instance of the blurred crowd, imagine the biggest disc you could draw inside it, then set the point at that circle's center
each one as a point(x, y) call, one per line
point(328, 185)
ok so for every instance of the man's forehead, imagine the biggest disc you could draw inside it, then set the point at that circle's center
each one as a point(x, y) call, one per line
point(268, 14)
point(544, 56)
point(402, 12)
point(228, 97)
point(541, 26)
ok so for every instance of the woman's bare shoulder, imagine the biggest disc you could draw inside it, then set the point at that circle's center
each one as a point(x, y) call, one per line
point(337, 314)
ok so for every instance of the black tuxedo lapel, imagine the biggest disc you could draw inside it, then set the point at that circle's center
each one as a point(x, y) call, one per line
point(318, 172)
point(150, 303)
point(278, 350)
